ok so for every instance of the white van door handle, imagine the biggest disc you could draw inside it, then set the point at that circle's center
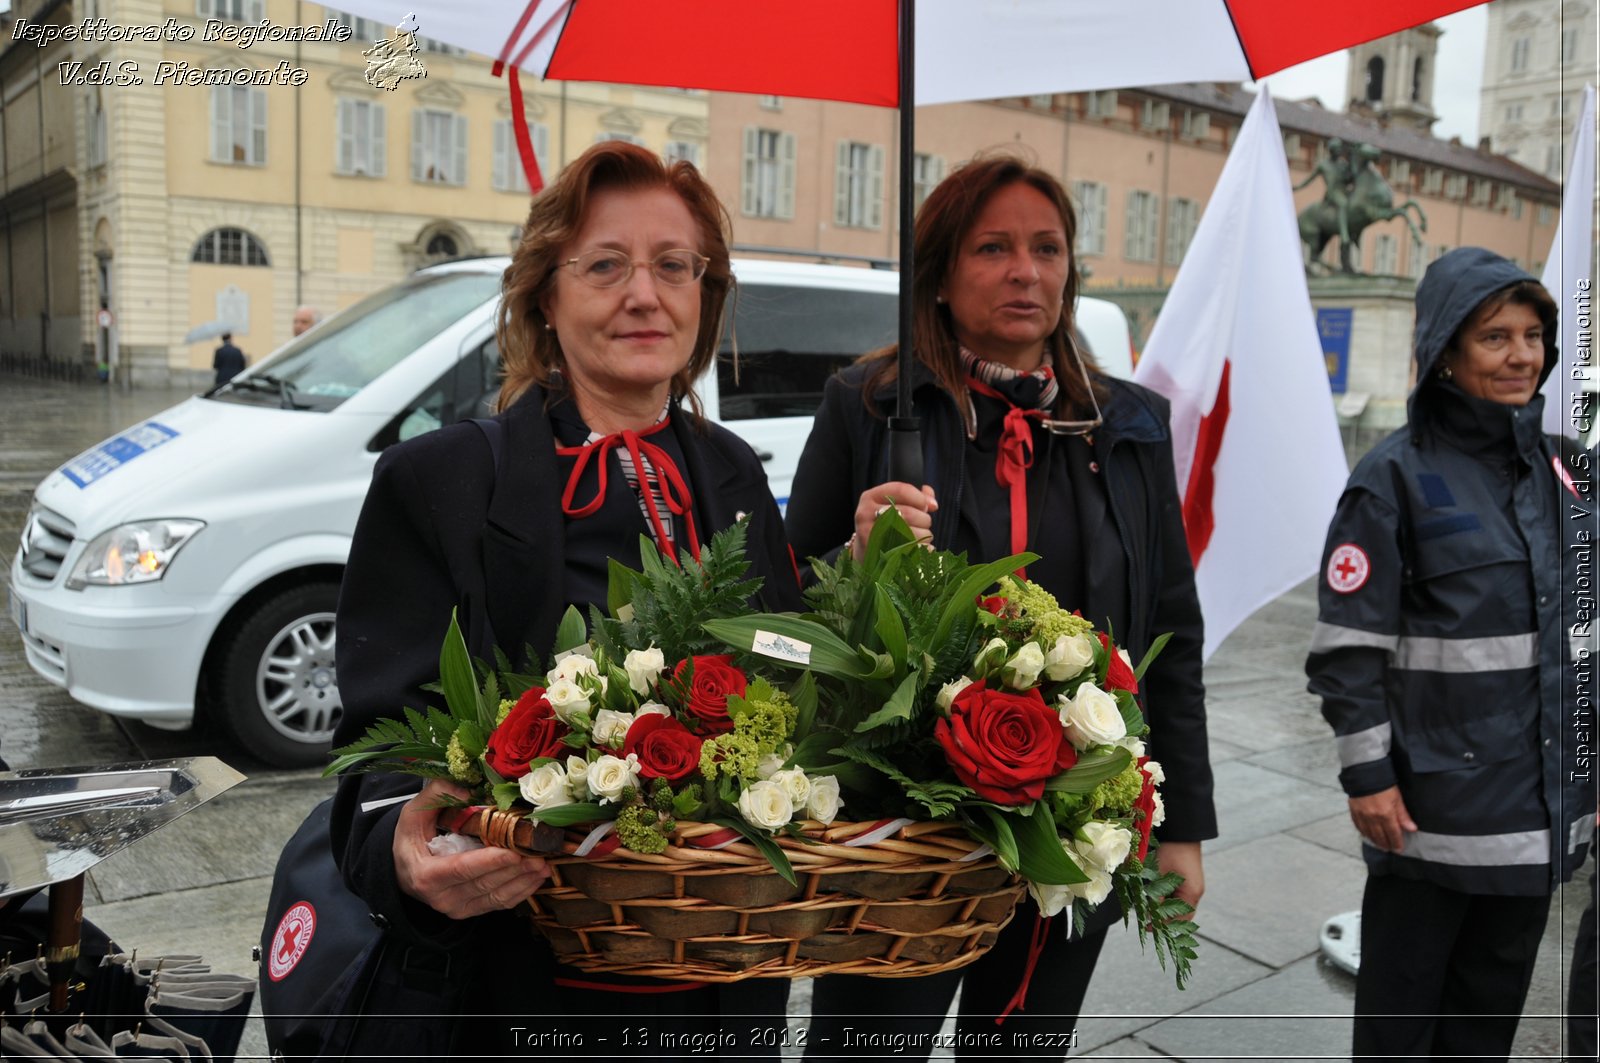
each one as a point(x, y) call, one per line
point(764, 455)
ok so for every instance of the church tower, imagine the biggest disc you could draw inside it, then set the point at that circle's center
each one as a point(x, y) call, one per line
point(1391, 78)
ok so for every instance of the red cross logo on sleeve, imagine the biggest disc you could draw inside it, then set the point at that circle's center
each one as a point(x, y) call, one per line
point(1348, 568)
point(291, 939)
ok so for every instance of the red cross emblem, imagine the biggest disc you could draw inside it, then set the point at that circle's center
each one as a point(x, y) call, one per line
point(1348, 568)
point(291, 939)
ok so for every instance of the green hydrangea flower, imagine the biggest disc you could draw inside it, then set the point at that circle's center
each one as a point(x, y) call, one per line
point(1040, 608)
point(640, 829)
point(463, 768)
point(506, 705)
point(736, 755)
point(1119, 792)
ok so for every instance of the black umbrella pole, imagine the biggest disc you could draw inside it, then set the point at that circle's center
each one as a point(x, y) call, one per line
point(905, 430)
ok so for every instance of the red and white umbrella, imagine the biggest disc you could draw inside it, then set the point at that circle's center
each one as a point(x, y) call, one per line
point(851, 50)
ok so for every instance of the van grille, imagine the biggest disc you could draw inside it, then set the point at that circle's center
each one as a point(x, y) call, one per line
point(45, 538)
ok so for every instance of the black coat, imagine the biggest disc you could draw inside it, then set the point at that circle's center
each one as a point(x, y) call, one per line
point(443, 529)
point(1453, 571)
point(847, 453)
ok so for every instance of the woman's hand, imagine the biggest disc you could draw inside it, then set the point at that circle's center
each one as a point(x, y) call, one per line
point(916, 506)
point(1382, 819)
point(1184, 858)
point(460, 885)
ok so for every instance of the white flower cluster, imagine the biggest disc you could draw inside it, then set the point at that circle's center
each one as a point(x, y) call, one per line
point(783, 795)
point(572, 686)
point(552, 783)
point(1091, 717)
point(1100, 849)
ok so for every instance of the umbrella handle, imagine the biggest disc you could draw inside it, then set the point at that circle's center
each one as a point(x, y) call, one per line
point(66, 933)
point(905, 450)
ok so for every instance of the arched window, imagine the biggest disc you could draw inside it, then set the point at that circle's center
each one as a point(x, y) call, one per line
point(1416, 80)
point(229, 247)
point(442, 245)
point(1375, 79)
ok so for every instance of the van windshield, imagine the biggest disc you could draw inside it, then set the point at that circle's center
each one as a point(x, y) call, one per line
point(337, 359)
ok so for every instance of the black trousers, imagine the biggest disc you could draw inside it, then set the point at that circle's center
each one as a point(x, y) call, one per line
point(853, 1015)
point(1583, 988)
point(1443, 973)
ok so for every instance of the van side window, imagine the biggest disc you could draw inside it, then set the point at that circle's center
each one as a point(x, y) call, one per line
point(791, 340)
point(466, 391)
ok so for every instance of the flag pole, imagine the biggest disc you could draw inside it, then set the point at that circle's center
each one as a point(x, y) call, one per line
point(905, 435)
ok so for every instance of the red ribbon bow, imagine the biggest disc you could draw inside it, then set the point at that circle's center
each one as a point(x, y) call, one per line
point(1013, 459)
point(667, 486)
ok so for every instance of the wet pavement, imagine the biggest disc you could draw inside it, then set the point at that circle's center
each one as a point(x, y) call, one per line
point(1286, 860)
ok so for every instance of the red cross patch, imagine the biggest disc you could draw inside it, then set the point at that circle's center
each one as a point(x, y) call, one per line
point(291, 939)
point(1348, 568)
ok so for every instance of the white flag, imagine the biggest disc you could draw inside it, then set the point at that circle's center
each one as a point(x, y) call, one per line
point(1569, 278)
point(1237, 352)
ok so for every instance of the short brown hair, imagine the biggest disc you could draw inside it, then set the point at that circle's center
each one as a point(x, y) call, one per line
point(1528, 293)
point(530, 353)
point(944, 219)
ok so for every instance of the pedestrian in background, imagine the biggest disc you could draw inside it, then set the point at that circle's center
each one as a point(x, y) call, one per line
point(1027, 446)
point(228, 361)
point(1443, 663)
point(305, 319)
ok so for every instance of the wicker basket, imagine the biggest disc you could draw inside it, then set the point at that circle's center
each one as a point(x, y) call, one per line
point(914, 903)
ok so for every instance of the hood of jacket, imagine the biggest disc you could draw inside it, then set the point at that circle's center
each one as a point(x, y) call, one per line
point(1450, 291)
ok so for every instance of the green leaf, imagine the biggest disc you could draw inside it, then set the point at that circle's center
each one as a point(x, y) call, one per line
point(459, 684)
point(830, 655)
point(1041, 857)
point(620, 583)
point(1002, 839)
point(891, 629)
point(804, 696)
point(472, 738)
point(1094, 767)
point(1132, 718)
point(765, 845)
point(505, 794)
point(898, 707)
point(572, 631)
point(1151, 654)
point(582, 812)
point(687, 802)
point(961, 599)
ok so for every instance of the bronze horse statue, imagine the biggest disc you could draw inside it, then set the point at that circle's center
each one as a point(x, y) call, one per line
point(1369, 200)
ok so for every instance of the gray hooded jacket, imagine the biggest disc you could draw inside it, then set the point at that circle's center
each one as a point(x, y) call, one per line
point(1441, 652)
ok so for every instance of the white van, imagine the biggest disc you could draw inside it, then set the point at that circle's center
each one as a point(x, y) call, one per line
point(193, 561)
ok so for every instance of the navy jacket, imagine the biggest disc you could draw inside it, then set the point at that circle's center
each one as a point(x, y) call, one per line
point(442, 528)
point(847, 453)
point(1441, 651)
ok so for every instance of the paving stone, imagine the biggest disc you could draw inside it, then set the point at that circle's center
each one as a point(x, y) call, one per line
point(1130, 991)
point(1253, 802)
point(1300, 1012)
point(1127, 1048)
point(1316, 761)
point(1268, 899)
point(1335, 832)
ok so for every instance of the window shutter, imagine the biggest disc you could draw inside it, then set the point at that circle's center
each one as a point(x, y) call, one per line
point(841, 183)
point(418, 153)
point(747, 185)
point(254, 10)
point(875, 188)
point(1174, 229)
point(936, 171)
point(501, 174)
point(379, 160)
point(347, 137)
point(258, 126)
point(458, 169)
point(786, 166)
point(541, 152)
point(1130, 242)
point(220, 140)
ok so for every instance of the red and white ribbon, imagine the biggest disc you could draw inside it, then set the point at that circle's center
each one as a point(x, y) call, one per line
point(880, 832)
point(594, 837)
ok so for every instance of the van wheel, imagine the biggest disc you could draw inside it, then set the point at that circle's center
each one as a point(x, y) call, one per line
point(279, 697)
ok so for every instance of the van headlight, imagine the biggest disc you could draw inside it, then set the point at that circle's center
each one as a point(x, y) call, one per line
point(132, 553)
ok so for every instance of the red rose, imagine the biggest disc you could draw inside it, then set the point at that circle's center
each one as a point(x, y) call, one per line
point(1004, 745)
point(1119, 676)
point(529, 732)
point(1146, 806)
point(706, 698)
point(666, 748)
point(995, 603)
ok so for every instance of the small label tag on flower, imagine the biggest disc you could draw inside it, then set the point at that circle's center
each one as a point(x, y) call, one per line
point(784, 649)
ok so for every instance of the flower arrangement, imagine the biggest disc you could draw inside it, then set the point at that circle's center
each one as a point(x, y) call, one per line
point(918, 686)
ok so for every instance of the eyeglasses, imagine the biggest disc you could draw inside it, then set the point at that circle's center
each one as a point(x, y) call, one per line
point(607, 268)
point(1078, 428)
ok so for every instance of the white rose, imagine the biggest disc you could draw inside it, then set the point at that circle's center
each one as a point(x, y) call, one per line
point(822, 804)
point(1106, 845)
point(766, 804)
point(652, 708)
point(769, 765)
point(1050, 898)
point(1157, 774)
point(572, 666)
point(1092, 718)
point(1160, 814)
point(644, 668)
point(1070, 655)
point(609, 776)
point(1022, 671)
point(993, 653)
point(1132, 745)
point(1097, 889)
point(951, 690)
point(567, 701)
point(578, 777)
point(611, 727)
point(795, 784)
point(545, 786)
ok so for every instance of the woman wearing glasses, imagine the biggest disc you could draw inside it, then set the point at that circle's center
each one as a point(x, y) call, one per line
point(1026, 446)
point(610, 308)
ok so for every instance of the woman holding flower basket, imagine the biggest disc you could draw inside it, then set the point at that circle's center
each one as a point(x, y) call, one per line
point(611, 307)
point(1027, 447)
